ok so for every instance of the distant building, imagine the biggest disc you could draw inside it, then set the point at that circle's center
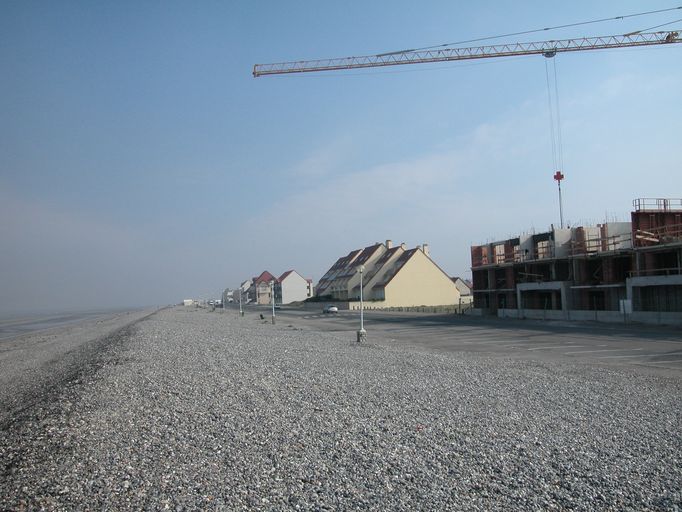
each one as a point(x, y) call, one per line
point(228, 296)
point(261, 289)
point(292, 287)
point(465, 292)
point(392, 277)
point(588, 272)
point(244, 291)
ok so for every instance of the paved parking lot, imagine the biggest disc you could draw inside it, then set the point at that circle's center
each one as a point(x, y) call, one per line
point(654, 349)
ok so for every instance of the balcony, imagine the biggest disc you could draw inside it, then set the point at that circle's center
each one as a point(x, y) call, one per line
point(657, 205)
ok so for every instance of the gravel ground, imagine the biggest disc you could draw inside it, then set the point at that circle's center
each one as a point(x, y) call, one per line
point(191, 410)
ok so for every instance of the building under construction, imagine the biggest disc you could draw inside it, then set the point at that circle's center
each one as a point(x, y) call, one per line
point(610, 272)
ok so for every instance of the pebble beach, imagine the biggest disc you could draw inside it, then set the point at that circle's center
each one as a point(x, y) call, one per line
point(186, 409)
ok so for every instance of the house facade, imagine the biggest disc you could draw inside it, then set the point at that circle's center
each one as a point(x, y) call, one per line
point(261, 288)
point(292, 287)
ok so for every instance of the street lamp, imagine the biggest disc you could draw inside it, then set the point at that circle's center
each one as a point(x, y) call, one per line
point(241, 311)
point(362, 334)
point(272, 299)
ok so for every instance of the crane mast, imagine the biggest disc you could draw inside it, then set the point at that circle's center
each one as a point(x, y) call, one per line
point(546, 48)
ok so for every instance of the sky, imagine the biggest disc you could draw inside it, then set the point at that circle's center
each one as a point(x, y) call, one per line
point(141, 163)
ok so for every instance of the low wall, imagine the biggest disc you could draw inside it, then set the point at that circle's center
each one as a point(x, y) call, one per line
point(377, 305)
point(657, 317)
point(444, 309)
point(644, 317)
point(319, 306)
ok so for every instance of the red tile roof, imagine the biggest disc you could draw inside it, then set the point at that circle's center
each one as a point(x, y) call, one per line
point(265, 277)
point(284, 276)
point(292, 271)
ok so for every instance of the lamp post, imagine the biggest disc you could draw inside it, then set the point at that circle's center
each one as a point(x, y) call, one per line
point(362, 334)
point(241, 311)
point(272, 299)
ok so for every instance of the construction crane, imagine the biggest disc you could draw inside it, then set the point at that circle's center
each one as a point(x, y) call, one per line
point(546, 48)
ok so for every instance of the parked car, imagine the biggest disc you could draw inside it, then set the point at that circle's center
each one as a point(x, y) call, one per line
point(330, 309)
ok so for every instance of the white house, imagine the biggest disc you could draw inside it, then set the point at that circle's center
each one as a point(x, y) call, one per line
point(292, 287)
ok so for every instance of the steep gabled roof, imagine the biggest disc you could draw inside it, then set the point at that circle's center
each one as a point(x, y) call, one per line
point(456, 278)
point(288, 273)
point(383, 259)
point(362, 258)
point(463, 281)
point(265, 277)
point(399, 263)
point(340, 265)
point(366, 254)
point(285, 275)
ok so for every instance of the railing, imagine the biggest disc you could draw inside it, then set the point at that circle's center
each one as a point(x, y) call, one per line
point(517, 256)
point(657, 204)
point(527, 277)
point(673, 271)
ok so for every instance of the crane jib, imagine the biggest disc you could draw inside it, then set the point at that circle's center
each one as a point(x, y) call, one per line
point(547, 48)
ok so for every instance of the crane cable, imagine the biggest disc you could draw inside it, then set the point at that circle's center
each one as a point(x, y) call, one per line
point(551, 119)
point(555, 128)
point(554, 117)
point(652, 28)
point(539, 30)
point(560, 144)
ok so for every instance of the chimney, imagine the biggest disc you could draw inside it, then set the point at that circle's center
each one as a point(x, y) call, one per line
point(425, 248)
point(389, 244)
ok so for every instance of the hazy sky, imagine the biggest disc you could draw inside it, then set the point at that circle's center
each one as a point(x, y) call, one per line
point(141, 163)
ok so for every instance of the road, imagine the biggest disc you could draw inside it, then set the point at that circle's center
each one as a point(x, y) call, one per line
point(652, 349)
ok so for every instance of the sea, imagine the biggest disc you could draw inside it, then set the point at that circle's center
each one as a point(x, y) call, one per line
point(16, 325)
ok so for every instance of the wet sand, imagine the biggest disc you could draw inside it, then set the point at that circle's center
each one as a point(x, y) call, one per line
point(33, 363)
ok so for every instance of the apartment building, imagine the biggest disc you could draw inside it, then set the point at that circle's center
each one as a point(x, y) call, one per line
point(655, 283)
point(393, 276)
point(591, 272)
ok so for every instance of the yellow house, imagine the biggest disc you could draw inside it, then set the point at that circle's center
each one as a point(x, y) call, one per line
point(392, 277)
